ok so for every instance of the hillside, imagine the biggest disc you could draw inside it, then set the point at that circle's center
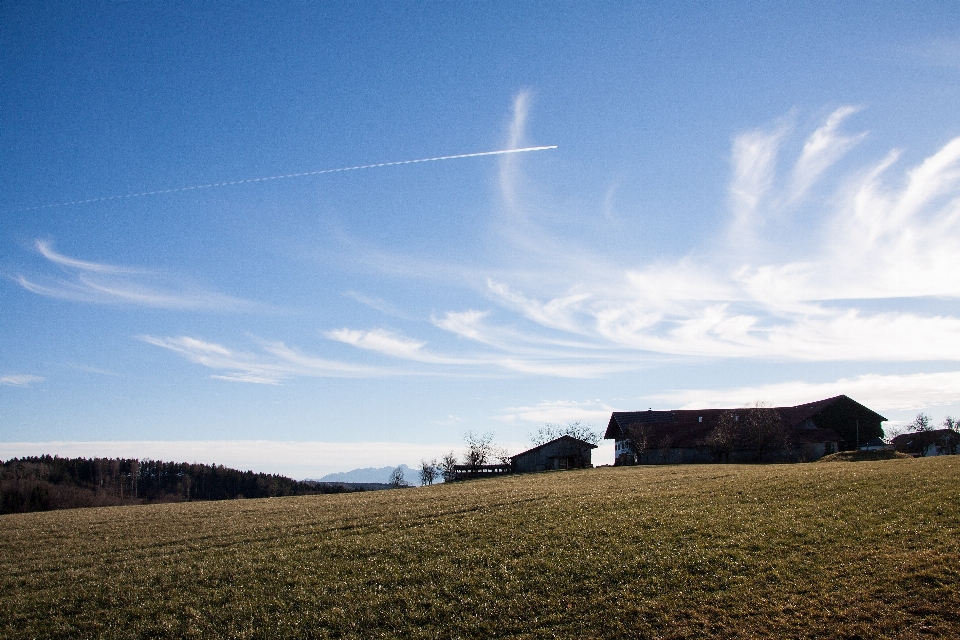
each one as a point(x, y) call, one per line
point(379, 475)
point(813, 550)
point(45, 483)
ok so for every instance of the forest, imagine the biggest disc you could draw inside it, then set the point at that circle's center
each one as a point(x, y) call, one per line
point(43, 483)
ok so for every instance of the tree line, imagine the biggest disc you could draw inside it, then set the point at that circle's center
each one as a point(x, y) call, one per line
point(42, 483)
point(923, 423)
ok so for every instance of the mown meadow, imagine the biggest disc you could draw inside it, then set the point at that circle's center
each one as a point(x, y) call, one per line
point(820, 550)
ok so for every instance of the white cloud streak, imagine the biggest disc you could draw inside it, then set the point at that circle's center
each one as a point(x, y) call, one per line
point(876, 234)
point(378, 304)
point(870, 241)
point(45, 248)
point(559, 411)
point(20, 380)
point(754, 160)
point(879, 392)
point(381, 341)
point(274, 363)
point(550, 361)
point(100, 283)
point(508, 163)
point(821, 150)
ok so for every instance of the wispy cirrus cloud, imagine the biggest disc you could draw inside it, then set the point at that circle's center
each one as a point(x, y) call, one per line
point(559, 411)
point(20, 380)
point(754, 159)
point(101, 283)
point(557, 313)
point(509, 174)
point(45, 248)
point(774, 295)
point(377, 304)
point(472, 324)
point(89, 369)
point(813, 266)
point(821, 150)
point(392, 344)
point(880, 392)
point(538, 359)
point(272, 364)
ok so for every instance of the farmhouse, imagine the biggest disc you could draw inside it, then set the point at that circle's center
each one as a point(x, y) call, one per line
point(938, 442)
point(801, 433)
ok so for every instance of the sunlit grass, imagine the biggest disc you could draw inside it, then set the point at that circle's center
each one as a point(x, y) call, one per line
point(815, 550)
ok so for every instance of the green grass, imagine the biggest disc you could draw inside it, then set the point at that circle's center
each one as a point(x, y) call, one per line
point(815, 550)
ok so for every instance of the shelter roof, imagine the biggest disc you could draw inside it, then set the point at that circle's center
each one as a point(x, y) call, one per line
point(622, 421)
point(570, 439)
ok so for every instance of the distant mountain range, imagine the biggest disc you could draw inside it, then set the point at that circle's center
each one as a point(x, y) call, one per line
point(371, 474)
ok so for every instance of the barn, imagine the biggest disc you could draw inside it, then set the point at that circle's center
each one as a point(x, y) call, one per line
point(565, 452)
point(938, 442)
point(773, 434)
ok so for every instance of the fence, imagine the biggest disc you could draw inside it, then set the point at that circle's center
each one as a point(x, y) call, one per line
point(466, 471)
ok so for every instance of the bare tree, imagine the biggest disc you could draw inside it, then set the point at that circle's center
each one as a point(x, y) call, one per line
point(479, 448)
point(756, 428)
point(576, 429)
point(764, 431)
point(724, 437)
point(447, 466)
point(500, 454)
point(951, 423)
point(892, 432)
point(397, 480)
point(921, 423)
point(428, 472)
point(642, 441)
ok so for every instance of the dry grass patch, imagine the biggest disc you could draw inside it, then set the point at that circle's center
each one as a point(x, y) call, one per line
point(736, 551)
point(865, 456)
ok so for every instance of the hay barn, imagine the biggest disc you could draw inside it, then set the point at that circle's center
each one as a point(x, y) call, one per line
point(565, 452)
point(771, 434)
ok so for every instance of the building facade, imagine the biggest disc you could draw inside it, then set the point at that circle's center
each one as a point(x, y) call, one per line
point(565, 452)
point(937, 442)
point(754, 434)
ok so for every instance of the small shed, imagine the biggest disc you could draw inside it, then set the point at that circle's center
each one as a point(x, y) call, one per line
point(565, 452)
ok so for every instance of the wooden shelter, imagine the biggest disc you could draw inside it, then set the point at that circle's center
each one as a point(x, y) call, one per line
point(475, 471)
point(565, 452)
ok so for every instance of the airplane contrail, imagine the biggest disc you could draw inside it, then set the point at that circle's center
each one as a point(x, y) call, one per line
point(284, 176)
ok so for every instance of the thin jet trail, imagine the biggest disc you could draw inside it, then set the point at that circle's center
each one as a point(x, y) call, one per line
point(283, 177)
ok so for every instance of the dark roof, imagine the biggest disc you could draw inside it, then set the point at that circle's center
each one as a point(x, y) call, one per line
point(796, 415)
point(917, 442)
point(571, 439)
point(686, 422)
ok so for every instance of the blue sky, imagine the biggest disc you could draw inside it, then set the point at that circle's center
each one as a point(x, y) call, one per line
point(745, 203)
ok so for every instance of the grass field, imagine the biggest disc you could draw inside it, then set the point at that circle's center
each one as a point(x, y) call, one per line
point(826, 550)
